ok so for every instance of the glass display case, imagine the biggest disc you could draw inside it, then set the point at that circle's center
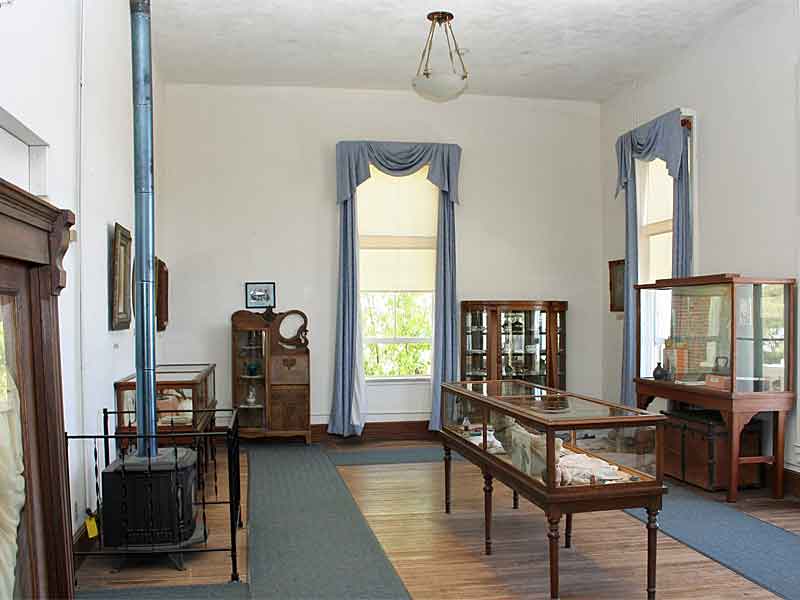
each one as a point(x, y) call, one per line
point(514, 340)
point(724, 343)
point(565, 452)
point(725, 332)
point(180, 389)
point(594, 443)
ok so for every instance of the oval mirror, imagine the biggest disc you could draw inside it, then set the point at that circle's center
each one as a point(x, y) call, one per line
point(290, 325)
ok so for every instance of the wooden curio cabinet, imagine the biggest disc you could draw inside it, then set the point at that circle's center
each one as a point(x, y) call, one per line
point(514, 339)
point(270, 374)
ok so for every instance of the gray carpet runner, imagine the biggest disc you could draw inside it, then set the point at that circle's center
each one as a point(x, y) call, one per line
point(307, 541)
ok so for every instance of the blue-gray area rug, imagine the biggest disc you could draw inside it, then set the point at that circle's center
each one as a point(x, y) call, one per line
point(761, 552)
point(385, 456)
point(308, 538)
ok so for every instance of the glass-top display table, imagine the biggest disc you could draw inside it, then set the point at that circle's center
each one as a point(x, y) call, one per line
point(564, 452)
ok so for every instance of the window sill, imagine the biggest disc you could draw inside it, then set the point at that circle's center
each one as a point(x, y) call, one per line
point(398, 380)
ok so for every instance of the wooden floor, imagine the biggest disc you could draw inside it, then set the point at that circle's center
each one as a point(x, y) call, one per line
point(200, 568)
point(441, 556)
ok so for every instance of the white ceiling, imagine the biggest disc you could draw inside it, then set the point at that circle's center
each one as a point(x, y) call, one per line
point(576, 49)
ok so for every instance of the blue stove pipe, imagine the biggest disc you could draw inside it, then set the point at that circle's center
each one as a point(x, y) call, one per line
point(144, 228)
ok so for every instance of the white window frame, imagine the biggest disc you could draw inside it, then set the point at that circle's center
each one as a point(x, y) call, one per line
point(397, 242)
point(398, 340)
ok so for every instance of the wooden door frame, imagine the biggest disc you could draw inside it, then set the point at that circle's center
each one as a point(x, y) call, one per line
point(36, 234)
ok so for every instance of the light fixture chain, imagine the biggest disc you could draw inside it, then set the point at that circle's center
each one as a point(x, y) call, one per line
point(458, 53)
point(426, 50)
point(427, 70)
point(447, 33)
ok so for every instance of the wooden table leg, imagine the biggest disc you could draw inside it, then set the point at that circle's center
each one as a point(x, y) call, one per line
point(568, 532)
point(515, 503)
point(448, 460)
point(778, 444)
point(735, 435)
point(487, 509)
point(552, 535)
point(652, 531)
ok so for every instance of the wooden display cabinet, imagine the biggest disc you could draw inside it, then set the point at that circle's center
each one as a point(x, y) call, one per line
point(270, 374)
point(180, 389)
point(564, 452)
point(514, 339)
point(725, 343)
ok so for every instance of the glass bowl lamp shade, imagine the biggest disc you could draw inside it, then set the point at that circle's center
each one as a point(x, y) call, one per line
point(441, 85)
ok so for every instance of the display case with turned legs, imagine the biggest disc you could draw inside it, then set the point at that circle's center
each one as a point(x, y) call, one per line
point(564, 452)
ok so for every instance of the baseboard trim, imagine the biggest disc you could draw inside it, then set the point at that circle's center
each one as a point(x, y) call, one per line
point(381, 431)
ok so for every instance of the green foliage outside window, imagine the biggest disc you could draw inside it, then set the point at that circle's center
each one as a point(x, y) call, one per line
point(397, 329)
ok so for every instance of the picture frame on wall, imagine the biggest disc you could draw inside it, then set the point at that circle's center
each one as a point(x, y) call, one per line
point(120, 305)
point(616, 285)
point(259, 294)
point(161, 293)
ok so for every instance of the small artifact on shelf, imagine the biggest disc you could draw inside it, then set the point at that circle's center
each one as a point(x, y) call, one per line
point(659, 373)
point(253, 369)
point(251, 395)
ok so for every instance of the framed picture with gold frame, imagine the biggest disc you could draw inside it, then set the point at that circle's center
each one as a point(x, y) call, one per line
point(120, 305)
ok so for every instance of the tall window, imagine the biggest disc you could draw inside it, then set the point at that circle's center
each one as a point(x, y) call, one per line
point(655, 194)
point(397, 266)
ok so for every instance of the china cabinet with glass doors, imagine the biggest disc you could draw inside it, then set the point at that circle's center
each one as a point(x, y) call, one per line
point(517, 339)
point(724, 343)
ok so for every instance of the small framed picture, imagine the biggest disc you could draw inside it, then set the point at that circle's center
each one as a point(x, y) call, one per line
point(616, 285)
point(259, 294)
point(120, 309)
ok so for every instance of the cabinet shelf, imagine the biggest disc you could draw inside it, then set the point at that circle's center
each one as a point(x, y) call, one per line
point(251, 377)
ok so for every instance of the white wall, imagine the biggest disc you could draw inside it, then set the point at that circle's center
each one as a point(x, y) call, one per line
point(88, 171)
point(40, 88)
point(741, 80)
point(248, 193)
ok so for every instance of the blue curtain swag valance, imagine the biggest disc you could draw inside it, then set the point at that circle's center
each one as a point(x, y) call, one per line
point(398, 159)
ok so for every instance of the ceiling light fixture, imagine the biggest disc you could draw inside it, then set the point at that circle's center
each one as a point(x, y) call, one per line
point(442, 85)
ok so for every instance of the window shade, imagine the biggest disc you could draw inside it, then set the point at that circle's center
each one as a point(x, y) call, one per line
point(397, 232)
point(405, 206)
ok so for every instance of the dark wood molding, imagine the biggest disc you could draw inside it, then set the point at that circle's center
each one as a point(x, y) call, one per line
point(380, 431)
point(34, 231)
point(34, 235)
